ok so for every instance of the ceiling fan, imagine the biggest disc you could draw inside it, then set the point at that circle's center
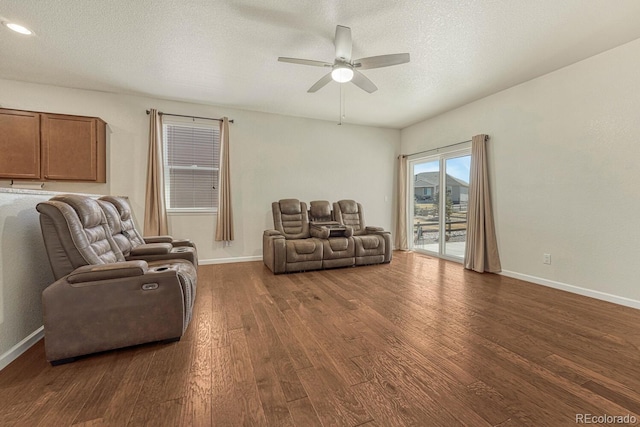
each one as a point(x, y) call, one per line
point(344, 69)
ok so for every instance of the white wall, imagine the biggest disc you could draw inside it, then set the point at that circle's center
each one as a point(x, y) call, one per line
point(276, 157)
point(564, 155)
point(273, 157)
point(24, 270)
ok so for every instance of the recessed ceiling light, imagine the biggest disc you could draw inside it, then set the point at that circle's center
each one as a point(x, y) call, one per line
point(18, 28)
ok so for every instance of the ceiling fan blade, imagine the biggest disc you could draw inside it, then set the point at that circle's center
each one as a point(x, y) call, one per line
point(320, 83)
point(381, 61)
point(362, 82)
point(305, 62)
point(343, 43)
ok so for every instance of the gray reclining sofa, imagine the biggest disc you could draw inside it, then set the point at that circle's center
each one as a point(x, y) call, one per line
point(322, 238)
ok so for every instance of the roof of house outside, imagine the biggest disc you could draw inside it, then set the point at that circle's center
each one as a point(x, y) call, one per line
point(432, 179)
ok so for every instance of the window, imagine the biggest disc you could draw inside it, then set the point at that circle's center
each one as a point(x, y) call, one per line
point(191, 164)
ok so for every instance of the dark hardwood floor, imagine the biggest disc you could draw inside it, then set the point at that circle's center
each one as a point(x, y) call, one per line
point(420, 341)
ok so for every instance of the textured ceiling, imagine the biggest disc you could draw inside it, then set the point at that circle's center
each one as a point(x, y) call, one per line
point(224, 52)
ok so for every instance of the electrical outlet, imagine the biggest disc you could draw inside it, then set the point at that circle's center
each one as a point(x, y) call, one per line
point(546, 258)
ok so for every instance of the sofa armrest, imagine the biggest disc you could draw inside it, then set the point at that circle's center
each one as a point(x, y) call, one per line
point(116, 270)
point(319, 231)
point(158, 239)
point(274, 252)
point(273, 233)
point(151, 249)
point(375, 230)
point(177, 243)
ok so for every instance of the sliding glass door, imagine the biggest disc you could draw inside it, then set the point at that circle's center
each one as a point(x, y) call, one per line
point(439, 186)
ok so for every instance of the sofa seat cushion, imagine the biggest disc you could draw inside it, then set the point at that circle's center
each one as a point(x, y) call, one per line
point(303, 250)
point(338, 252)
point(339, 247)
point(369, 244)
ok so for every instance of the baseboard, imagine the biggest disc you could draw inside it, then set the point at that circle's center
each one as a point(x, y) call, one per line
point(24, 345)
point(229, 260)
point(628, 302)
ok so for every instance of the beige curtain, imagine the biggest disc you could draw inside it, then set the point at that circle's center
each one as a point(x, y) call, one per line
point(155, 214)
point(224, 226)
point(401, 208)
point(481, 253)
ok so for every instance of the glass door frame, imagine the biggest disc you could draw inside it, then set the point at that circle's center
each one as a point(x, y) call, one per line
point(441, 158)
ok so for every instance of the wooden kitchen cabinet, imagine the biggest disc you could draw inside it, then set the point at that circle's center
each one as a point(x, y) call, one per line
point(73, 148)
point(52, 147)
point(19, 144)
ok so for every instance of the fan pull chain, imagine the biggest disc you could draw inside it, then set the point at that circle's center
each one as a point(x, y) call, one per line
point(342, 105)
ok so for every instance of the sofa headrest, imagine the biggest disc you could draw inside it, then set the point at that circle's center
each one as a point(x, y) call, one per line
point(290, 206)
point(88, 210)
point(320, 209)
point(113, 216)
point(348, 206)
point(121, 204)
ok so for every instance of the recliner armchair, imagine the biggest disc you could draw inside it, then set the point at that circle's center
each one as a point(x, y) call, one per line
point(133, 245)
point(100, 301)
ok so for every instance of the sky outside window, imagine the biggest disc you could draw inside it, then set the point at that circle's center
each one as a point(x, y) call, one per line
point(458, 167)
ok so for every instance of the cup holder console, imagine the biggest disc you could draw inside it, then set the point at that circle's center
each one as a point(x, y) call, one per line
point(335, 229)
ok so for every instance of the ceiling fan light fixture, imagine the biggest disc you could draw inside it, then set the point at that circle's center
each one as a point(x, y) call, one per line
point(18, 28)
point(343, 69)
point(342, 74)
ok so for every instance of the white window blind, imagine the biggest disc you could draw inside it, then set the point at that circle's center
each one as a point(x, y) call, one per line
point(192, 159)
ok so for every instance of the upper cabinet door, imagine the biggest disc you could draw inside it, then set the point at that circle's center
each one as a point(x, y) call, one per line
point(19, 144)
point(69, 147)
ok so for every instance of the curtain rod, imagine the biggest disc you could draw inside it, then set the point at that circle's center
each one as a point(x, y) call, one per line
point(190, 117)
point(486, 138)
